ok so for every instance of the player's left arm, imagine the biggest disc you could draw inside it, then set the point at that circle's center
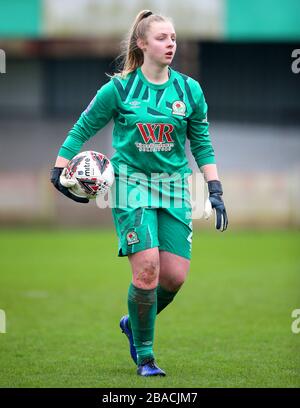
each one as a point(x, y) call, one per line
point(203, 152)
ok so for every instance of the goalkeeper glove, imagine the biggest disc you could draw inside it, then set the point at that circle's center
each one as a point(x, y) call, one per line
point(215, 202)
point(59, 180)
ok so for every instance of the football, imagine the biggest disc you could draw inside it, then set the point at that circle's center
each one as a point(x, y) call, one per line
point(94, 174)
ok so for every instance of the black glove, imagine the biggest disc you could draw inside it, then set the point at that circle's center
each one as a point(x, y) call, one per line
point(217, 203)
point(54, 178)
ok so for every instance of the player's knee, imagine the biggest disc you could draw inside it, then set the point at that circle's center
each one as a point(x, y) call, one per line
point(173, 281)
point(147, 275)
point(175, 285)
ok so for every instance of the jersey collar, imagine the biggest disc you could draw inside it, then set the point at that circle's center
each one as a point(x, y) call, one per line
point(155, 86)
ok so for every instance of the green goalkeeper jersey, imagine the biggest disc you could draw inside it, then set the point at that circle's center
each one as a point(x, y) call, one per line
point(151, 124)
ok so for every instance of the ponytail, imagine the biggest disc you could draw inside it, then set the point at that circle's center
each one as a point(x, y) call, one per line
point(132, 56)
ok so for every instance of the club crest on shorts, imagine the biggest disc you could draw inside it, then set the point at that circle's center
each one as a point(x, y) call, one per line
point(132, 238)
point(178, 108)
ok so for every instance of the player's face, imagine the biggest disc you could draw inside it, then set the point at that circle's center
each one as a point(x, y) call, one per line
point(160, 45)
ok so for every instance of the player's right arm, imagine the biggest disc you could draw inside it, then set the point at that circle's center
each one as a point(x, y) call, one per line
point(61, 162)
point(98, 113)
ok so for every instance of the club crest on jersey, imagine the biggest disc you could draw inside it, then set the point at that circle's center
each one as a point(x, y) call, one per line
point(132, 238)
point(178, 108)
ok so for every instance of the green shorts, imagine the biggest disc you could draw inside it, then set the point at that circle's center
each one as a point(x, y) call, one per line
point(169, 229)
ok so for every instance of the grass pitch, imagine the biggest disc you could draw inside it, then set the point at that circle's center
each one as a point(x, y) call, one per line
point(230, 326)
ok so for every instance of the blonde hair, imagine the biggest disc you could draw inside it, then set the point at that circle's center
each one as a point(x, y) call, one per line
point(132, 56)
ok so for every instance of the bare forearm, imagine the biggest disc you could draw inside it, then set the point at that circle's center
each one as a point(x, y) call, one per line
point(61, 162)
point(210, 172)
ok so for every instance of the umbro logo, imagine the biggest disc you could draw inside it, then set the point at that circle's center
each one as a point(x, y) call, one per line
point(135, 104)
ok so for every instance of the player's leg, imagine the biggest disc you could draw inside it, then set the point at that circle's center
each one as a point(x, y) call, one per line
point(175, 237)
point(142, 300)
point(173, 272)
point(142, 307)
point(145, 268)
point(137, 231)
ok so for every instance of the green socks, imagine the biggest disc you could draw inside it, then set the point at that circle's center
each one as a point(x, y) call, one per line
point(142, 307)
point(164, 297)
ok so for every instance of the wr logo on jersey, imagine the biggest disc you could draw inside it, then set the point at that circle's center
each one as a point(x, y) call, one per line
point(156, 132)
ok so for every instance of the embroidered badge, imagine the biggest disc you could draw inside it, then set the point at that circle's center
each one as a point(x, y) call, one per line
point(179, 108)
point(132, 238)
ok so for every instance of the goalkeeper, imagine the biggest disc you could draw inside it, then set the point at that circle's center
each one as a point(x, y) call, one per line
point(155, 109)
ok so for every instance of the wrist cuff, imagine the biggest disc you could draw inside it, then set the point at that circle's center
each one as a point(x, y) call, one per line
point(215, 187)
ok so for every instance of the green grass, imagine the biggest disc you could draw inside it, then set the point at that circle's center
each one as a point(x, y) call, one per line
point(64, 292)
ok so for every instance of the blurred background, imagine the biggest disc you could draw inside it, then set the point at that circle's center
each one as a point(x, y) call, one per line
point(62, 287)
point(55, 55)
